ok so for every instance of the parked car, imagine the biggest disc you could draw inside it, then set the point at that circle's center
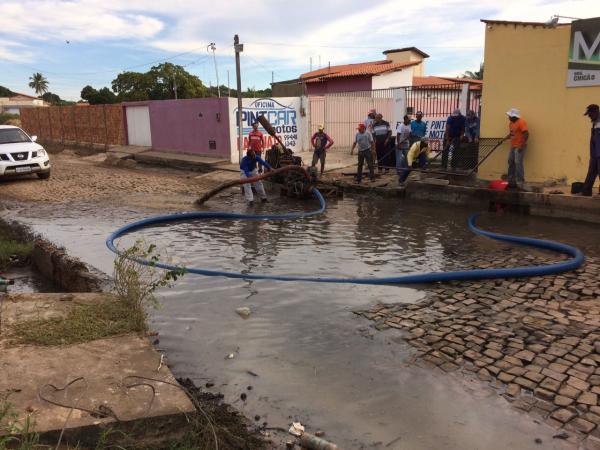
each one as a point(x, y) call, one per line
point(21, 155)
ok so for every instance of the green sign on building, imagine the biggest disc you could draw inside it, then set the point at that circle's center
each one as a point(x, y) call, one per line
point(584, 53)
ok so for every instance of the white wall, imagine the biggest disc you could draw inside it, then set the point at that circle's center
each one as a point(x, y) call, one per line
point(400, 78)
point(284, 113)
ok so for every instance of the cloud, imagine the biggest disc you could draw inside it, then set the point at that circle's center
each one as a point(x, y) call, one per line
point(73, 20)
point(279, 35)
point(14, 51)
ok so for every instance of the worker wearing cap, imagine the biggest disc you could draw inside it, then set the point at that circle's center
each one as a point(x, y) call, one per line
point(320, 142)
point(455, 130)
point(382, 133)
point(366, 148)
point(256, 143)
point(593, 112)
point(418, 156)
point(518, 133)
point(248, 169)
point(418, 128)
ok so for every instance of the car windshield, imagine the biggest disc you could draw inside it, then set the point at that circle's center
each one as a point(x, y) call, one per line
point(13, 135)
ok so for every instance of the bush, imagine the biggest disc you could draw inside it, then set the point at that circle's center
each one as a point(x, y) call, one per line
point(5, 117)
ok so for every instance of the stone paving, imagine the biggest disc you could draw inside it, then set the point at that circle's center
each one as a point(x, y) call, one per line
point(536, 340)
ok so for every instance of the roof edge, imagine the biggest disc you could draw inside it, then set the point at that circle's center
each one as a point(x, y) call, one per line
point(524, 24)
point(406, 49)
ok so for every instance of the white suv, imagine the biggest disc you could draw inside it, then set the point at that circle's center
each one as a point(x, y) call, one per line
point(20, 155)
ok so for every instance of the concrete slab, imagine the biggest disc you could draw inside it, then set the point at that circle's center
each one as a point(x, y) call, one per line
point(179, 160)
point(98, 371)
point(129, 149)
point(537, 204)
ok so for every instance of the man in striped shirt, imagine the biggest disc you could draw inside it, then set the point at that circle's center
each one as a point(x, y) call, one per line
point(381, 134)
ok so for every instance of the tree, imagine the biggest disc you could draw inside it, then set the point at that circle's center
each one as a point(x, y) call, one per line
point(55, 100)
point(158, 83)
point(51, 98)
point(477, 75)
point(38, 83)
point(5, 92)
point(131, 86)
point(103, 96)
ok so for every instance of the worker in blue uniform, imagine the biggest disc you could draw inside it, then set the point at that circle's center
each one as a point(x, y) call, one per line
point(249, 169)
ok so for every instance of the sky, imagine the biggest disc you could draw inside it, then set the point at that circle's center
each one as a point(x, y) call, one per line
point(74, 43)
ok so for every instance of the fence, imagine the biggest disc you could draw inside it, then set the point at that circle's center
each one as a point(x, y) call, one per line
point(97, 124)
point(341, 112)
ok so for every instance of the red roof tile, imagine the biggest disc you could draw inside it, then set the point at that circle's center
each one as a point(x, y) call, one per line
point(355, 70)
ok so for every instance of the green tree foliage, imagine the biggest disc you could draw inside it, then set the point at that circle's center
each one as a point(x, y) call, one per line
point(103, 96)
point(5, 92)
point(249, 93)
point(38, 83)
point(157, 84)
point(477, 75)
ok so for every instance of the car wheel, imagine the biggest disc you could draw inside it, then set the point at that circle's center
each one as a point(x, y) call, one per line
point(44, 175)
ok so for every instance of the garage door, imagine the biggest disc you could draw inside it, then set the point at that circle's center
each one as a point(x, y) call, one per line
point(138, 126)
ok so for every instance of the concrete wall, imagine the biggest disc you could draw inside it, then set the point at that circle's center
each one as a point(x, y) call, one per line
point(526, 68)
point(288, 115)
point(340, 85)
point(188, 126)
point(399, 78)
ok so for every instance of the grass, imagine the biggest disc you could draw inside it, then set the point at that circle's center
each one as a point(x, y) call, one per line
point(134, 286)
point(16, 434)
point(13, 251)
point(83, 323)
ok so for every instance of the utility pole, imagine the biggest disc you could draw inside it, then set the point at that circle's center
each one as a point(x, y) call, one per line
point(175, 85)
point(238, 49)
point(272, 77)
point(213, 47)
point(311, 64)
point(228, 88)
point(319, 61)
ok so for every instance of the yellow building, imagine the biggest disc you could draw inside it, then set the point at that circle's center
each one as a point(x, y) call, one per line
point(526, 68)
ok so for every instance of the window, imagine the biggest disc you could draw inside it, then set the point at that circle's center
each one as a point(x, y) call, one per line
point(12, 135)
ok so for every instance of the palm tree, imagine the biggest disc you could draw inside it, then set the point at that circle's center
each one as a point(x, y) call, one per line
point(478, 75)
point(38, 83)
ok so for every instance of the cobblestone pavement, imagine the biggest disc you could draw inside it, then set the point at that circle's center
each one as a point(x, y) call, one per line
point(536, 340)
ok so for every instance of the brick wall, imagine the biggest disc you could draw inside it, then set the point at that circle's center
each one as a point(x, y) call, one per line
point(96, 124)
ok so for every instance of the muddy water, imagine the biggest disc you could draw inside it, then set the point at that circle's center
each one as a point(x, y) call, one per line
point(302, 351)
point(27, 280)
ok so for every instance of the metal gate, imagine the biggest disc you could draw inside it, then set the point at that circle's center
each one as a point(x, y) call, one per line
point(340, 113)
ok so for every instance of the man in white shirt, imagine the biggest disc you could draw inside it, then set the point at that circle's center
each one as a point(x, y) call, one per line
point(403, 131)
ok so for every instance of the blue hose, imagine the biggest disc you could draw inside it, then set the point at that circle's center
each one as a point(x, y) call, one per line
point(431, 277)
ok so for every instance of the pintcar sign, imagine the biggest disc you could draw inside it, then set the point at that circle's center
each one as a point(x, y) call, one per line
point(584, 53)
point(283, 115)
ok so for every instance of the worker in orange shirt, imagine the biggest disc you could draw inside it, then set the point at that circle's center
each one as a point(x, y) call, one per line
point(518, 133)
point(256, 143)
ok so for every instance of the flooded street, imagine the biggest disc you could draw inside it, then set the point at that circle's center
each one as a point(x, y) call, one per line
point(303, 354)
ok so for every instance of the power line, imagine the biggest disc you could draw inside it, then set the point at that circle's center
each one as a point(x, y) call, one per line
point(119, 69)
point(282, 44)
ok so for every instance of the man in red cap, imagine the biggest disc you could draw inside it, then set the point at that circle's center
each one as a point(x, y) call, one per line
point(255, 142)
point(366, 148)
point(593, 112)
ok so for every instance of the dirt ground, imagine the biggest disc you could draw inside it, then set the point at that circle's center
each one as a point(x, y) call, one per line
point(81, 178)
